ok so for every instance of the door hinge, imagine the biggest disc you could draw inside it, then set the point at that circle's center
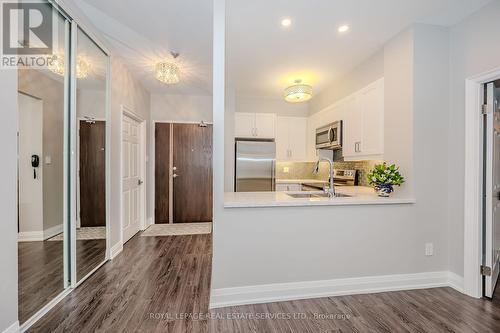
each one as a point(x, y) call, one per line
point(485, 270)
point(484, 109)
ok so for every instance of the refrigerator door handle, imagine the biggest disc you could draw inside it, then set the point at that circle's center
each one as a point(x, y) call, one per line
point(273, 176)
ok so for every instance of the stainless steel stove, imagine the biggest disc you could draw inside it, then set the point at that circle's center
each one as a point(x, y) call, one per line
point(340, 178)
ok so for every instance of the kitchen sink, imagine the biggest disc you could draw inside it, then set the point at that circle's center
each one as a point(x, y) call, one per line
point(315, 195)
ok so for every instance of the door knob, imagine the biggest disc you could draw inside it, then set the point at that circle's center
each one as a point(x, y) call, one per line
point(140, 182)
point(174, 175)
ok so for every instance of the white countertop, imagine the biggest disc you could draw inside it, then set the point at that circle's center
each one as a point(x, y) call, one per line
point(359, 196)
point(300, 181)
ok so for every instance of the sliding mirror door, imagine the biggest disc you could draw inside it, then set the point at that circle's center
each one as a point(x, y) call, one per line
point(91, 116)
point(43, 118)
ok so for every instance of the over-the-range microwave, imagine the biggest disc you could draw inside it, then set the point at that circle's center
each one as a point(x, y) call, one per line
point(330, 136)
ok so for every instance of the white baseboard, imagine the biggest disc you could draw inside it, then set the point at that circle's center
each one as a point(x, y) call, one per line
point(30, 236)
point(52, 231)
point(14, 328)
point(456, 282)
point(116, 250)
point(325, 288)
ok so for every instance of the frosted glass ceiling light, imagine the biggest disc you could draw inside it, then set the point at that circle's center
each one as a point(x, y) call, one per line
point(298, 92)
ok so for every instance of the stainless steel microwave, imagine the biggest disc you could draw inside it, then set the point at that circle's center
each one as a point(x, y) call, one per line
point(330, 136)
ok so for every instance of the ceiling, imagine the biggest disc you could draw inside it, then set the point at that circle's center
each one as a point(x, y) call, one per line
point(145, 32)
point(262, 56)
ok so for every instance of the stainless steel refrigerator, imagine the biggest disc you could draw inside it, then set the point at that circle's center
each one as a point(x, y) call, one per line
point(255, 166)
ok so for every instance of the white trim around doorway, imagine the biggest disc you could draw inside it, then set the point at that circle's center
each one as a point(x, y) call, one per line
point(473, 189)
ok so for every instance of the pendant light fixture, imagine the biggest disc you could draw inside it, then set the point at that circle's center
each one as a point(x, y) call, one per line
point(57, 65)
point(168, 72)
point(297, 93)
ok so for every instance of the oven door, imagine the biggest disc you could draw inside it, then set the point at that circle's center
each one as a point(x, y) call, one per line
point(335, 136)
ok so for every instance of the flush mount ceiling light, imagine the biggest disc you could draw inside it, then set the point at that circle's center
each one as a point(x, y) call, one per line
point(57, 65)
point(286, 22)
point(298, 92)
point(167, 71)
point(343, 28)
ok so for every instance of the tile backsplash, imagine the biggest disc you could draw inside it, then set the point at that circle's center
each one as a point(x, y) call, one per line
point(304, 170)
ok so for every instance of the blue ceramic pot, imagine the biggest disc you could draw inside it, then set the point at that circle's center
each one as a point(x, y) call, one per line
point(384, 190)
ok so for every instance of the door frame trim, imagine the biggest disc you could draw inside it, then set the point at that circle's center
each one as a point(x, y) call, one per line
point(127, 111)
point(473, 185)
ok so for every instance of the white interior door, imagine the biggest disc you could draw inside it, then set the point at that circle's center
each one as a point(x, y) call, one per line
point(491, 256)
point(30, 178)
point(131, 173)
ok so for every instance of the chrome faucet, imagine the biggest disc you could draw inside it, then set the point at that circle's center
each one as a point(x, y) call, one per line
point(331, 190)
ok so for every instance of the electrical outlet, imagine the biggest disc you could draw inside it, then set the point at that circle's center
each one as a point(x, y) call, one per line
point(429, 249)
point(286, 169)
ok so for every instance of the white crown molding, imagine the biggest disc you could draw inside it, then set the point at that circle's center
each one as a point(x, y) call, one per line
point(325, 288)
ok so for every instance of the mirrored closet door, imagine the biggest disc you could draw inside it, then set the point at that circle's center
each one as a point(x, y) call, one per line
point(62, 163)
point(91, 113)
point(43, 122)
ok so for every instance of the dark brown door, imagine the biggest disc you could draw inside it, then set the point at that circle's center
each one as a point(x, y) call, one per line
point(192, 158)
point(92, 174)
point(162, 161)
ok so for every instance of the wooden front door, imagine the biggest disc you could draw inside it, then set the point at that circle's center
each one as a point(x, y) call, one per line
point(92, 174)
point(192, 163)
point(183, 173)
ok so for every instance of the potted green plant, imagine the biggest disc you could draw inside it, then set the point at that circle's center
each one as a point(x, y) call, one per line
point(384, 177)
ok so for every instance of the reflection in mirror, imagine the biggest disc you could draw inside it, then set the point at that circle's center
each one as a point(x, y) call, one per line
point(91, 76)
point(41, 166)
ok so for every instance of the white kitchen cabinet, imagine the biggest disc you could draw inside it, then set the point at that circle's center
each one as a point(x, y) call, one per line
point(244, 124)
point(363, 124)
point(255, 125)
point(291, 139)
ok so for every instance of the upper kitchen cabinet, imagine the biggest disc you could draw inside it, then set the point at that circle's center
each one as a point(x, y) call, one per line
point(291, 139)
point(255, 125)
point(364, 123)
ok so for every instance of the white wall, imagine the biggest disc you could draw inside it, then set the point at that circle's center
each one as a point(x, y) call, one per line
point(368, 72)
point(188, 108)
point(30, 120)
point(91, 103)
point(8, 199)
point(127, 91)
point(475, 49)
point(255, 246)
point(51, 92)
point(270, 105)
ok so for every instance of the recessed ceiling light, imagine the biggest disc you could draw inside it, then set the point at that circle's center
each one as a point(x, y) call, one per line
point(286, 22)
point(343, 28)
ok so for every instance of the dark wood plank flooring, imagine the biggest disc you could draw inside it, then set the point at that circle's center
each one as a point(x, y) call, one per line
point(154, 276)
point(41, 273)
point(156, 280)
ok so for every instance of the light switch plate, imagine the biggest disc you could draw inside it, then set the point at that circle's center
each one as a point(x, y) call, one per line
point(429, 249)
point(48, 160)
point(286, 169)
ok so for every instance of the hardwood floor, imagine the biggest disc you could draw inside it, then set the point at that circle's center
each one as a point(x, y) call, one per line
point(156, 281)
point(40, 267)
point(41, 273)
point(153, 277)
